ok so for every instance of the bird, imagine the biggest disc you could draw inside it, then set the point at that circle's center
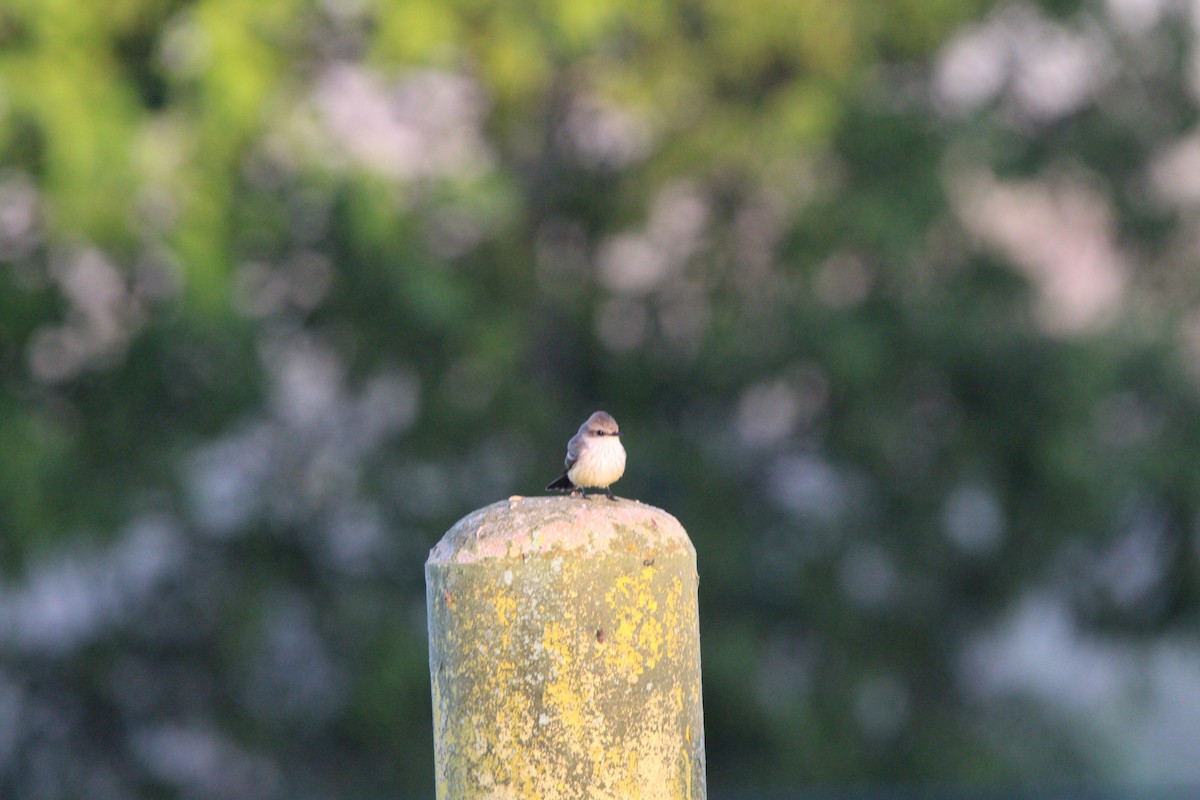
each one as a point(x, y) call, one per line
point(595, 457)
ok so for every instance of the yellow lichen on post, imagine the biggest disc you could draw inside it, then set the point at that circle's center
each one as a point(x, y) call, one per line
point(564, 653)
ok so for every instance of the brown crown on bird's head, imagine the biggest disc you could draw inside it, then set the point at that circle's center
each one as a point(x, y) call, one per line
point(601, 423)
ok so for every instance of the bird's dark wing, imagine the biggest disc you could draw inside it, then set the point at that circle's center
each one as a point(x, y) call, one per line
point(573, 451)
point(563, 481)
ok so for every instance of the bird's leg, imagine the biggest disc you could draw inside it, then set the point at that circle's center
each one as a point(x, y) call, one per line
point(578, 492)
point(608, 492)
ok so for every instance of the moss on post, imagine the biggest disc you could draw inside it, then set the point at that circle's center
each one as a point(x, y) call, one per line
point(564, 653)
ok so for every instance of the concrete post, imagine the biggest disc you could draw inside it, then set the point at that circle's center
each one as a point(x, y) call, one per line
point(564, 652)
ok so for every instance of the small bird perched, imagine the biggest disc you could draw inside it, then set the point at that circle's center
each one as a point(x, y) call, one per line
point(595, 457)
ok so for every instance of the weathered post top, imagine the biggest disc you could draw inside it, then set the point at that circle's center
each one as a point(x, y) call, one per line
point(565, 653)
point(523, 526)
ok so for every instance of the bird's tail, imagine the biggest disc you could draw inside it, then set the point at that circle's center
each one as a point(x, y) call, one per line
point(562, 483)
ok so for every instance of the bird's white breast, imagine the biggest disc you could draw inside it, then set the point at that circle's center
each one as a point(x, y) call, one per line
point(599, 464)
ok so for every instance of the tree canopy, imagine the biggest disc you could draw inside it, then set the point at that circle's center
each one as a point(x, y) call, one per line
point(895, 304)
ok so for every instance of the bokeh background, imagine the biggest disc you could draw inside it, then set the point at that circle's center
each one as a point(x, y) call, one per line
point(897, 305)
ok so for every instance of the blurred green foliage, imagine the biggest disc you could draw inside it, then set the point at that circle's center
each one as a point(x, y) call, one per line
point(898, 315)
